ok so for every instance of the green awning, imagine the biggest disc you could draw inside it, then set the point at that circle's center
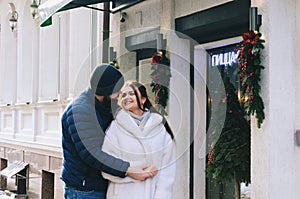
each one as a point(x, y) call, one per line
point(50, 7)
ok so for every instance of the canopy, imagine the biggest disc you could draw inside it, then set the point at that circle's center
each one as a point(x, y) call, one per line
point(50, 7)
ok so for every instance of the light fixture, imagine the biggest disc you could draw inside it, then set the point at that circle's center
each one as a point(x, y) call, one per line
point(297, 137)
point(13, 18)
point(255, 20)
point(122, 17)
point(34, 8)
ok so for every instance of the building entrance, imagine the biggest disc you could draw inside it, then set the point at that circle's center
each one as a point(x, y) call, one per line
point(228, 128)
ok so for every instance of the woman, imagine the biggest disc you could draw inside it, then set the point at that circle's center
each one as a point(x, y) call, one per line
point(139, 134)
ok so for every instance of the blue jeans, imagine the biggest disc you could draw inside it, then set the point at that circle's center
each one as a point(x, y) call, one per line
point(71, 193)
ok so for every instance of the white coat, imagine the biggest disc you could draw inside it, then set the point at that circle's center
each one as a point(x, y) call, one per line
point(153, 145)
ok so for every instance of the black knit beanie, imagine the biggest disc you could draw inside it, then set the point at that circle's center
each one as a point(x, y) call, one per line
point(106, 79)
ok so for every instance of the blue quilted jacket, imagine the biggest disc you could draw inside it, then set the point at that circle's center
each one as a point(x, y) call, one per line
point(83, 125)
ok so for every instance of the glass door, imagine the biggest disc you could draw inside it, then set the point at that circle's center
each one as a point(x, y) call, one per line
point(226, 122)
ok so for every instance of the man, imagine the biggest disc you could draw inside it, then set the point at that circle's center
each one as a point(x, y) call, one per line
point(83, 127)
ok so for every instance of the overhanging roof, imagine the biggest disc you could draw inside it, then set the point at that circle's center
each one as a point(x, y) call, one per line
point(220, 22)
point(50, 7)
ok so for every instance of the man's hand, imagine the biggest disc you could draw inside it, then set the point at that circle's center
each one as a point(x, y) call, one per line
point(142, 172)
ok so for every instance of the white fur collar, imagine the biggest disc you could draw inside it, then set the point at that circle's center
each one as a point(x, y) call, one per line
point(153, 125)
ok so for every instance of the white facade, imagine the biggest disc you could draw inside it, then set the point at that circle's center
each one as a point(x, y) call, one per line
point(275, 155)
point(43, 69)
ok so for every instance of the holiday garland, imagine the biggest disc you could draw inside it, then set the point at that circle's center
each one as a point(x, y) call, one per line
point(160, 76)
point(250, 71)
point(114, 63)
point(229, 156)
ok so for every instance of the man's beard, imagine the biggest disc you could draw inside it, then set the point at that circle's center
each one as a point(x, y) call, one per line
point(110, 103)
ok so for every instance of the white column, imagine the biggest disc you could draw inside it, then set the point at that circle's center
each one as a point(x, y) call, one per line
point(274, 162)
point(179, 111)
point(200, 122)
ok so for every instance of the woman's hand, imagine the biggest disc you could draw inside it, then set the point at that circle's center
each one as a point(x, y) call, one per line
point(142, 172)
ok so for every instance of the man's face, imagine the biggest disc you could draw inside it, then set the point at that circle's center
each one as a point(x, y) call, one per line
point(111, 101)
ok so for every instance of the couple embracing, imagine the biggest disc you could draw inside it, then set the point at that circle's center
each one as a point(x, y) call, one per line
point(116, 145)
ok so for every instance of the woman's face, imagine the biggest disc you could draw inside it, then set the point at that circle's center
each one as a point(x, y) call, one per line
point(129, 100)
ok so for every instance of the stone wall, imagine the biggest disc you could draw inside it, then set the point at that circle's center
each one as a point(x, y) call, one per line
point(39, 164)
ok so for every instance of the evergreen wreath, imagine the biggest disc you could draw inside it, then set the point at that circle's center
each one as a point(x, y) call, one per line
point(160, 77)
point(250, 72)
